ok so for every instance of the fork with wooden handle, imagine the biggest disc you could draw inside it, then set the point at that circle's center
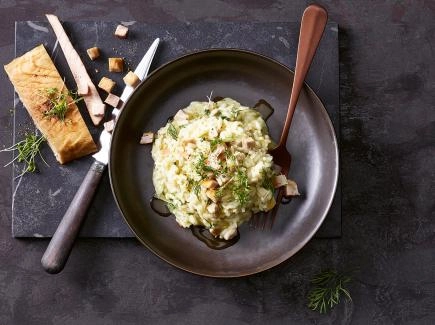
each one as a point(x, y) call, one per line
point(312, 26)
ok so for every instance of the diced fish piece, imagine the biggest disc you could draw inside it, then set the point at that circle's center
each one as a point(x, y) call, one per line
point(211, 194)
point(210, 183)
point(279, 180)
point(248, 143)
point(291, 189)
point(112, 100)
point(181, 116)
point(147, 137)
point(212, 208)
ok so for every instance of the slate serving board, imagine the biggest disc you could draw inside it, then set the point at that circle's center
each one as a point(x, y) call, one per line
point(40, 199)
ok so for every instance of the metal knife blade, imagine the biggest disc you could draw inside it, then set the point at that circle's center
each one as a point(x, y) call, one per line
point(141, 71)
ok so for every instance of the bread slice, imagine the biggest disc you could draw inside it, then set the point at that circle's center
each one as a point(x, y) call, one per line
point(32, 74)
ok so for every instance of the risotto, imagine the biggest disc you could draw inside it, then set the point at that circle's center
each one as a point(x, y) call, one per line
point(212, 166)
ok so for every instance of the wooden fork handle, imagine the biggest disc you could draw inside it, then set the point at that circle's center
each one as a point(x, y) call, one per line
point(312, 26)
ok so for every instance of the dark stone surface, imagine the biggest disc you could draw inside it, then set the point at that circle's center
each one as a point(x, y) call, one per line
point(387, 95)
point(36, 213)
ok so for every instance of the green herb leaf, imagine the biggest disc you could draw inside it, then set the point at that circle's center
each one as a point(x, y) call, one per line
point(328, 286)
point(172, 131)
point(241, 188)
point(201, 167)
point(194, 186)
point(214, 143)
point(267, 181)
point(27, 151)
point(58, 103)
point(171, 206)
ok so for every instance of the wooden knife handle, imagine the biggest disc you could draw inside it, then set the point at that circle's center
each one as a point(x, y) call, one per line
point(61, 243)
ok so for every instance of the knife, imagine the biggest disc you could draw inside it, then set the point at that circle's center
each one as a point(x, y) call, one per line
point(60, 246)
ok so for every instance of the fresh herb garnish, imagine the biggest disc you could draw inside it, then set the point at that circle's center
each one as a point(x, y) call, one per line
point(58, 103)
point(230, 155)
point(171, 206)
point(27, 151)
point(241, 189)
point(172, 131)
point(214, 143)
point(194, 186)
point(201, 167)
point(267, 182)
point(328, 286)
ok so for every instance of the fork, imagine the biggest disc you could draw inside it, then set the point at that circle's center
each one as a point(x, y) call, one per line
point(312, 26)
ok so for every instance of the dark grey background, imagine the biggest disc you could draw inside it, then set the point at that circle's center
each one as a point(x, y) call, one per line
point(36, 213)
point(387, 82)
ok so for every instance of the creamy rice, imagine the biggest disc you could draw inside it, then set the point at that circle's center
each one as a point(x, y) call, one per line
point(212, 166)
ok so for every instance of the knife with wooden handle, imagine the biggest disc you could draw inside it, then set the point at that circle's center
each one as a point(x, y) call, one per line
point(59, 248)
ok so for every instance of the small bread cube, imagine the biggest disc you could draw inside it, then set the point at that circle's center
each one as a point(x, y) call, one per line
point(121, 31)
point(131, 79)
point(109, 125)
point(291, 189)
point(147, 137)
point(106, 84)
point(279, 180)
point(116, 64)
point(93, 52)
point(112, 100)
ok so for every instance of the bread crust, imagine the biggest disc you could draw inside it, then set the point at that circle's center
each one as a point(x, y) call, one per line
point(32, 74)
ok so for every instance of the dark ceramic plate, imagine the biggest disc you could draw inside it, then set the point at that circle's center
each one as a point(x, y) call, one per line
point(246, 77)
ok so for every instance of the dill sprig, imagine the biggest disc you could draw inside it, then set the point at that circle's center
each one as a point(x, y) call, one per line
point(194, 186)
point(58, 103)
point(171, 206)
point(27, 149)
point(201, 167)
point(241, 188)
point(267, 182)
point(172, 131)
point(214, 143)
point(328, 286)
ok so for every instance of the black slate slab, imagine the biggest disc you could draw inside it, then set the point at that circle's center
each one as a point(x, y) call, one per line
point(39, 200)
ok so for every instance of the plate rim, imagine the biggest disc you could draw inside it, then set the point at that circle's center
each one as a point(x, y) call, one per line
point(291, 252)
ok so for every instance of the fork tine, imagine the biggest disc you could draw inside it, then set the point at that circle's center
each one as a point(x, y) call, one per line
point(265, 220)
